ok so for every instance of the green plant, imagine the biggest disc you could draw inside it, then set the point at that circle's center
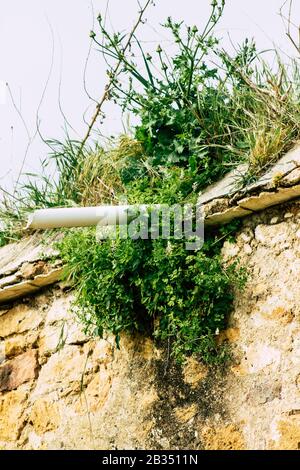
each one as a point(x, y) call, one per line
point(201, 112)
point(199, 108)
point(182, 105)
point(152, 286)
point(3, 238)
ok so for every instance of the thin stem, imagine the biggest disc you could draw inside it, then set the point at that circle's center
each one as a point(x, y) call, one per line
point(110, 83)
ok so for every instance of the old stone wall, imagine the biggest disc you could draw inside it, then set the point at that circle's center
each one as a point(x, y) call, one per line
point(60, 389)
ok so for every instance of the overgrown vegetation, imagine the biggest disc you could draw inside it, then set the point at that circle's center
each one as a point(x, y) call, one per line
point(153, 286)
point(201, 112)
point(188, 122)
point(200, 109)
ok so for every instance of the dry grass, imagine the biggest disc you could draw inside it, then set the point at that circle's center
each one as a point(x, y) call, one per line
point(268, 144)
point(99, 180)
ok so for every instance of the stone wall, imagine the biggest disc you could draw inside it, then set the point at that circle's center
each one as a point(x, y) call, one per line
point(60, 389)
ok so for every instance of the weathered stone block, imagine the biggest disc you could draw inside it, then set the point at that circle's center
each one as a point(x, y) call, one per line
point(15, 345)
point(30, 270)
point(51, 339)
point(62, 372)
point(273, 235)
point(12, 419)
point(18, 371)
point(223, 438)
point(44, 416)
point(96, 392)
point(19, 319)
point(58, 310)
point(259, 356)
point(287, 433)
point(264, 391)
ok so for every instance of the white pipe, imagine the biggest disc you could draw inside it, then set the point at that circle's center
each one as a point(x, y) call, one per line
point(81, 216)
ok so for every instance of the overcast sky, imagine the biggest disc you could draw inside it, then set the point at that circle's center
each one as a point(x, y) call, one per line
point(48, 40)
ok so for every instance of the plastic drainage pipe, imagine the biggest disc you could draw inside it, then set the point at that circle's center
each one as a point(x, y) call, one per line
point(85, 216)
point(80, 217)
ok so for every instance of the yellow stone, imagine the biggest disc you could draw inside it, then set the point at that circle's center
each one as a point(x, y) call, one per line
point(96, 393)
point(19, 319)
point(186, 413)
point(239, 370)
point(281, 314)
point(230, 334)
point(223, 438)
point(289, 434)
point(148, 349)
point(194, 372)
point(44, 416)
point(102, 351)
point(62, 372)
point(12, 419)
point(16, 345)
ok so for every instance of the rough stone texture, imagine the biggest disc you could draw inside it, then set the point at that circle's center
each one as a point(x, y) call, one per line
point(12, 420)
point(19, 370)
point(228, 199)
point(284, 173)
point(223, 438)
point(20, 289)
point(262, 390)
point(44, 416)
point(26, 267)
point(19, 343)
point(61, 389)
point(227, 186)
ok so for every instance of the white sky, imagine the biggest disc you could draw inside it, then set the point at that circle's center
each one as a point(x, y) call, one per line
point(25, 60)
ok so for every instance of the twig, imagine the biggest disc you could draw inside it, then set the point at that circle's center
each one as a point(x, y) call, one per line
point(87, 61)
point(29, 142)
point(82, 391)
point(110, 83)
point(288, 23)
